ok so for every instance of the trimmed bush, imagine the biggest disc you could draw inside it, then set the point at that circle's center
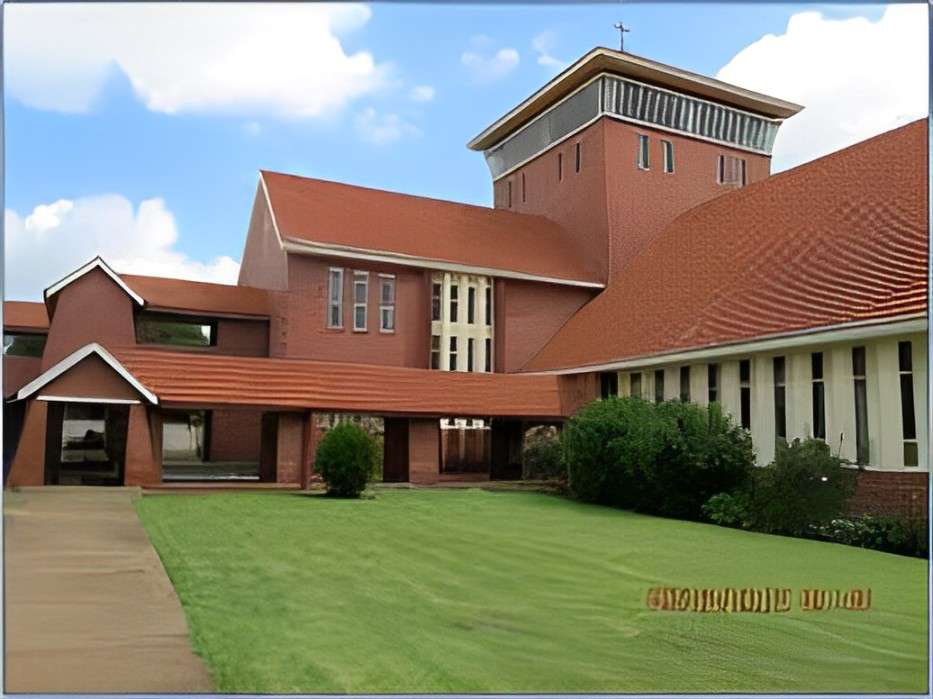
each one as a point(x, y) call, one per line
point(892, 534)
point(807, 486)
point(541, 457)
point(346, 459)
point(665, 459)
point(729, 510)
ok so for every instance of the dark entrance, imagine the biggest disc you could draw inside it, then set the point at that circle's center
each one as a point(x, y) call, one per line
point(86, 444)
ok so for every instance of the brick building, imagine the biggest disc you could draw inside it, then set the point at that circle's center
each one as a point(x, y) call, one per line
point(638, 245)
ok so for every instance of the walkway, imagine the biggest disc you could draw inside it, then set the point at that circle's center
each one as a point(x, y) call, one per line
point(89, 607)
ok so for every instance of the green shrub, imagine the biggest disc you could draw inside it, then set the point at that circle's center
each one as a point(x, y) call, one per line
point(806, 487)
point(891, 534)
point(729, 509)
point(666, 458)
point(346, 459)
point(541, 456)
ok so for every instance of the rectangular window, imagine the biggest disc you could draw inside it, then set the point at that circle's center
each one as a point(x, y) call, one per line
point(712, 383)
point(435, 301)
point(510, 194)
point(780, 397)
point(360, 293)
point(685, 384)
point(335, 298)
point(23, 345)
point(454, 302)
point(560, 167)
point(523, 187)
point(452, 361)
point(488, 354)
point(435, 351)
point(745, 392)
point(608, 384)
point(861, 405)
point(471, 305)
point(488, 305)
point(471, 344)
point(668, 156)
point(184, 437)
point(659, 386)
point(635, 385)
point(731, 171)
point(167, 329)
point(908, 416)
point(578, 156)
point(819, 395)
point(386, 303)
point(643, 153)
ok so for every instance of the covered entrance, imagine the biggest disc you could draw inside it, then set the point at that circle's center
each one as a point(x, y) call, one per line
point(86, 443)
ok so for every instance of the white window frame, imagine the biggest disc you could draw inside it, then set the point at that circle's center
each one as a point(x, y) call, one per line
point(384, 280)
point(667, 149)
point(360, 277)
point(335, 303)
point(644, 149)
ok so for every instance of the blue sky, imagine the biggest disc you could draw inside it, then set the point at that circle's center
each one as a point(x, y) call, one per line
point(202, 162)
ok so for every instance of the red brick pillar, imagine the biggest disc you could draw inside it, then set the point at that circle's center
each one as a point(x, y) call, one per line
point(290, 448)
point(313, 435)
point(424, 450)
point(143, 448)
point(28, 466)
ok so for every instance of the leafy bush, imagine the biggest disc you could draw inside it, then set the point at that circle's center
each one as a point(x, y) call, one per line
point(346, 459)
point(891, 534)
point(807, 486)
point(666, 458)
point(729, 509)
point(541, 457)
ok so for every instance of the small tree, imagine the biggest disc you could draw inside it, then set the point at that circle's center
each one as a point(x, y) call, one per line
point(346, 459)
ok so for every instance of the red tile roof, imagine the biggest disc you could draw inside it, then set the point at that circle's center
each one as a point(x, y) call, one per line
point(25, 315)
point(837, 240)
point(189, 378)
point(199, 297)
point(335, 214)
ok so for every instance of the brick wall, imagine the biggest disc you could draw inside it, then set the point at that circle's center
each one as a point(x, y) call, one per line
point(898, 493)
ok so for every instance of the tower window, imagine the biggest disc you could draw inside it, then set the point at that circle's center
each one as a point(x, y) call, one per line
point(360, 292)
point(335, 298)
point(731, 171)
point(435, 301)
point(454, 302)
point(560, 167)
point(510, 194)
point(643, 154)
point(386, 303)
point(471, 343)
point(452, 361)
point(908, 417)
point(523, 186)
point(668, 156)
point(861, 405)
point(745, 392)
point(435, 351)
point(488, 354)
point(471, 305)
point(578, 156)
point(488, 305)
point(819, 395)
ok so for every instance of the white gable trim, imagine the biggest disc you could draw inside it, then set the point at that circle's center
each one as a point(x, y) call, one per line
point(79, 399)
point(275, 224)
point(96, 263)
point(72, 359)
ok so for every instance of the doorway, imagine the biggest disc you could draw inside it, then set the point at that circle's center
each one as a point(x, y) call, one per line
point(86, 443)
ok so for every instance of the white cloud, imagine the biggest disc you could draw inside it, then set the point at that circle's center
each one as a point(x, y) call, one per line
point(485, 66)
point(543, 44)
point(281, 59)
point(421, 93)
point(382, 129)
point(55, 239)
point(855, 78)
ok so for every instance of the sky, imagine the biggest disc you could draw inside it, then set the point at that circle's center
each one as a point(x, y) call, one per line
point(137, 131)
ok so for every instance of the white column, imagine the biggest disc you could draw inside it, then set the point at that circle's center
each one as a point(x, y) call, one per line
point(729, 389)
point(672, 383)
point(799, 395)
point(885, 427)
point(699, 388)
point(920, 397)
point(840, 400)
point(762, 404)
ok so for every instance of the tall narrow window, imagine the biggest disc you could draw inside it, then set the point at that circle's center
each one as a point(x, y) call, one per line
point(643, 154)
point(659, 386)
point(730, 170)
point(560, 167)
point(819, 395)
point(712, 383)
point(452, 361)
point(471, 344)
point(488, 305)
point(488, 354)
point(523, 187)
point(635, 385)
point(435, 301)
point(510, 194)
point(471, 305)
point(435, 351)
point(780, 397)
point(578, 156)
point(861, 405)
point(744, 178)
point(908, 418)
point(360, 292)
point(745, 392)
point(387, 303)
point(668, 156)
point(335, 298)
point(454, 302)
point(608, 384)
point(685, 384)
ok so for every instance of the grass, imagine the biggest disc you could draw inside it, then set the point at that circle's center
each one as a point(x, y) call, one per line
point(475, 591)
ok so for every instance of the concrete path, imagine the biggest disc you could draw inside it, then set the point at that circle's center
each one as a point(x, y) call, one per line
point(89, 607)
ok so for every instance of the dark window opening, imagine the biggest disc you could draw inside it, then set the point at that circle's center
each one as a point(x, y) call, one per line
point(523, 187)
point(908, 411)
point(488, 305)
point(435, 301)
point(635, 385)
point(488, 354)
point(510, 194)
point(560, 167)
point(168, 329)
point(668, 156)
point(23, 345)
point(745, 393)
point(470, 345)
point(780, 398)
point(659, 386)
point(435, 351)
point(643, 152)
point(91, 448)
point(712, 381)
point(819, 395)
point(861, 405)
point(685, 384)
point(608, 384)
point(454, 302)
point(452, 362)
point(471, 305)
point(578, 157)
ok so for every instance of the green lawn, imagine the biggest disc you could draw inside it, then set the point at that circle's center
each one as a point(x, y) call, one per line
point(475, 591)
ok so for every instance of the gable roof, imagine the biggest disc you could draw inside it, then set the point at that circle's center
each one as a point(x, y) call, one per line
point(840, 240)
point(25, 315)
point(331, 218)
point(96, 263)
point(182, 295)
